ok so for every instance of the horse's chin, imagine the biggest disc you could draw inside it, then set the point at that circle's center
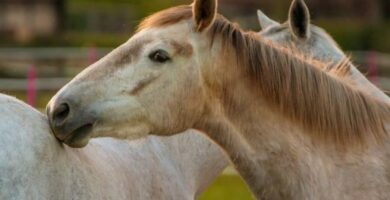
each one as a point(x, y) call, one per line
point(77, 144)
point(126, 130)
point(80, 137)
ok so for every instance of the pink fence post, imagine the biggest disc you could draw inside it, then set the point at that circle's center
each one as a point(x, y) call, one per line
point(92, 55)
point(31, 85)
point(373, 67)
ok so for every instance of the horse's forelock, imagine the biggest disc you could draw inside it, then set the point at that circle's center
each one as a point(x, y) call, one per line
point(166, 17)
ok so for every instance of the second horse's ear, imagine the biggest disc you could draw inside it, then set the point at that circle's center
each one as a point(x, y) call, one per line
point(265, 21)
point(204, 12)
point(299, 19)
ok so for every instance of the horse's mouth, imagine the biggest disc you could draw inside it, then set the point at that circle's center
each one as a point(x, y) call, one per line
point(79, 137)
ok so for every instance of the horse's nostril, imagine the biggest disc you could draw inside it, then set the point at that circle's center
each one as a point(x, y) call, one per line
point(61, 113)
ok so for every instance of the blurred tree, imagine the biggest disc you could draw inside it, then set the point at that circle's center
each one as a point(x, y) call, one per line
point(109, 22)
point(385, 5)
point(24, 20)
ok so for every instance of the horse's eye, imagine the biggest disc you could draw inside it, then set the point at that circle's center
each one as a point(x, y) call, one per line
point(159, 56)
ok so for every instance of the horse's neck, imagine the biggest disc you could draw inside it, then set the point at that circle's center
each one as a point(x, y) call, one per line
point(243, 135)
point(262, 152)
point(273, 155)
point(279, 161)
point(361, 81)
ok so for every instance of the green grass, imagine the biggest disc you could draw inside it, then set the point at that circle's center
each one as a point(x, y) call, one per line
point(227, 187)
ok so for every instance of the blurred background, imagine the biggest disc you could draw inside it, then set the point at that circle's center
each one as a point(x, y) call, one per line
point(44, 43)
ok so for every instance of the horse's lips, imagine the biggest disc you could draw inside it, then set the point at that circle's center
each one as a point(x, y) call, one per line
point(78, 136)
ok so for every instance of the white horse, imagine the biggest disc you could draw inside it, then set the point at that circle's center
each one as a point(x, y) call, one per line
point(292, 130)
point(34, 165)
point(313, 41)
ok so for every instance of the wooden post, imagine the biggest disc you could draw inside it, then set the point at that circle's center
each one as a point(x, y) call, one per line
point(92, 55)
point(31, 86)
point(373, 67)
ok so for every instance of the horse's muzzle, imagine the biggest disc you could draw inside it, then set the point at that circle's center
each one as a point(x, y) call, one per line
point(70, 124)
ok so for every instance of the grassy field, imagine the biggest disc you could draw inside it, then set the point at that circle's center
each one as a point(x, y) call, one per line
point(227, 187)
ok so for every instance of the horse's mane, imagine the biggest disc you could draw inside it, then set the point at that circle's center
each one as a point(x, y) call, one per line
point(320, 102)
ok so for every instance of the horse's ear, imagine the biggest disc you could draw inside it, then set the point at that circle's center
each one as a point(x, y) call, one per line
point(265, 21)
point(204, 12)
point(299, 19)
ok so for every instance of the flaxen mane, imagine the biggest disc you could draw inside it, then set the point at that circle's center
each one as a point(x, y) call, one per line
point(340, 70)
point(324, 105)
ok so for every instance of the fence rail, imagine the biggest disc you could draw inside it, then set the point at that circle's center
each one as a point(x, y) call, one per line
point(15, 58)
point(41, 84)
point(51, 53)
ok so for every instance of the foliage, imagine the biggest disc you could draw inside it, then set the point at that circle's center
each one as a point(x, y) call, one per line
point(86, 24)
point(352, 35)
